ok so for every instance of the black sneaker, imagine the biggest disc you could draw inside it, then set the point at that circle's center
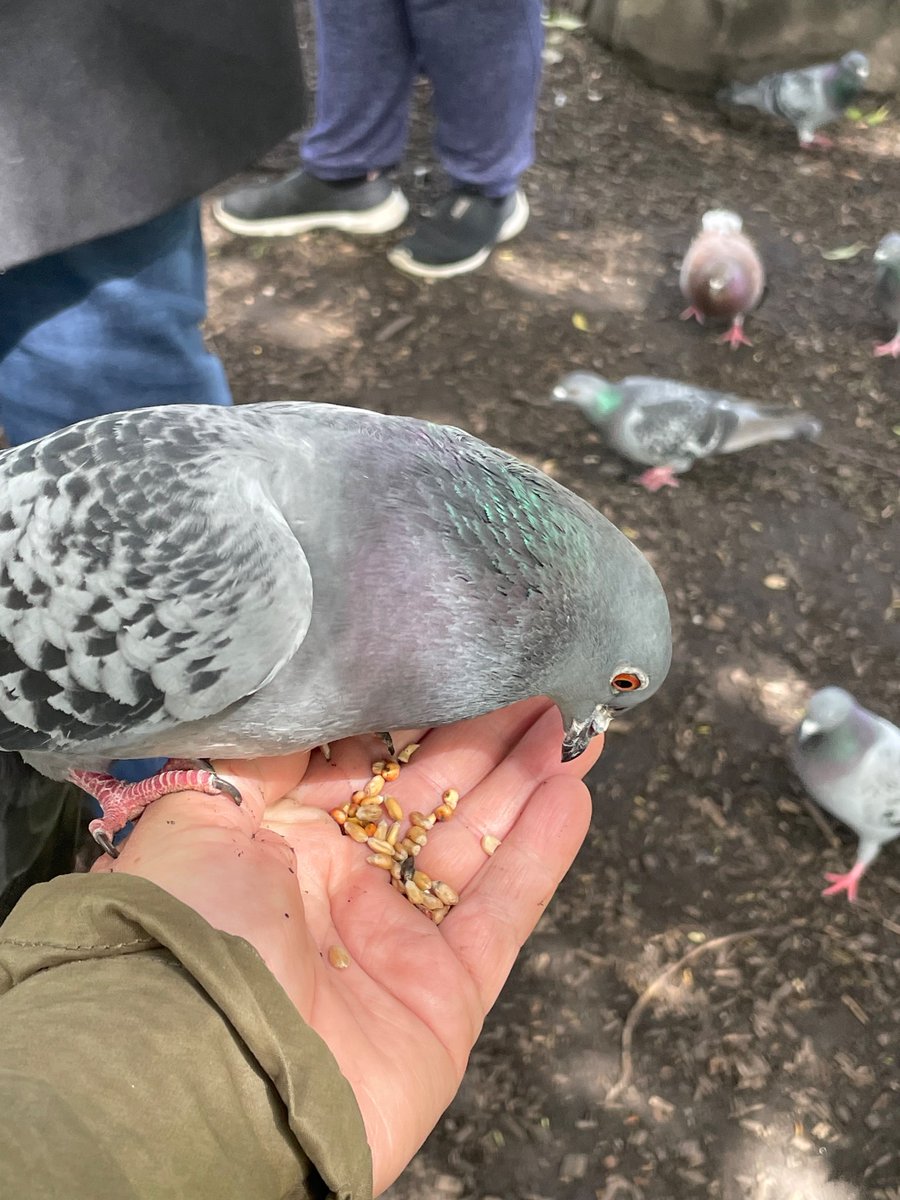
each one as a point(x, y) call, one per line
point(300, 202)
point(461, 234)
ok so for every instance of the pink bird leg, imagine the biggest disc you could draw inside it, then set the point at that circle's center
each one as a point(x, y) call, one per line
point(656, 478)
point(693, 311)
point(848, 883)
point(891, 348)
point(122, 802)
point(818, 141)
point(735, 336)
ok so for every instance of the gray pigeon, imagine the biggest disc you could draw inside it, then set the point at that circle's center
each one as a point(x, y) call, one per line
point(808, 98)
point(191, 581)
point(667, 425)
point(722, 275)
point(849, 760)
point(887, 289)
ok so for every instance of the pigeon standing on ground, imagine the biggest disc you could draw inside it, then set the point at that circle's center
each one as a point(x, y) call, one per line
point(809, 98)
point(193, 581)
point(666, 425)
point(849, 760)
point(887, 289)
point(722, 275)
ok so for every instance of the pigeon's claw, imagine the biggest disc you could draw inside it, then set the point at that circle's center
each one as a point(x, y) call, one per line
point(816, 141)
point(692, 312)
point(735, 336)
point(656, 478)
point(891, 348)
point(848, 883)
point(122, 802)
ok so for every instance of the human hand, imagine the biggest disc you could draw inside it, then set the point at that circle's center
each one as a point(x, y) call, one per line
point(402, 1018)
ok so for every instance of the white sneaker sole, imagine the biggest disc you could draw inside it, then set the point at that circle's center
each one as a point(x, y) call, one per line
point(401, 258)
point(383, 218)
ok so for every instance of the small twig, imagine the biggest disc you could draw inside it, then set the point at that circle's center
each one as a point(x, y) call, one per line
point(394, 327)
point(626, 1067)
point(824, 828)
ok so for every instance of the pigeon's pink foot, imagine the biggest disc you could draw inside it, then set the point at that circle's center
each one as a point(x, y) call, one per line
point(818, 141)
point(848, 883)
point(656, 478)
point(122, 802)
point(735, 336)
point(891, 348)
point(692, 311)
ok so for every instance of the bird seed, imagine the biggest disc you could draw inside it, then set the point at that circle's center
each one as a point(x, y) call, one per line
point(338, 957)
point(406, 754)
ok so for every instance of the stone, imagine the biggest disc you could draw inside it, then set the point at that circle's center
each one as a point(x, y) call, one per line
point(699, 44)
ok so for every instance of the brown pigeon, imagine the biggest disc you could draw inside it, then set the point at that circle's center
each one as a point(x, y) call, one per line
point(722, 275)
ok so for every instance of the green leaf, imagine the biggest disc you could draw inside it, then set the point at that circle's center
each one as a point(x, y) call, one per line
point(562, 20)
point(854, 113)
point(878, 117)
point(579, 320)
point(842, 253)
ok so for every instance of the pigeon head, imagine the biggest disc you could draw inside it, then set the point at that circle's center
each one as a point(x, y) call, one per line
point(827, 711)
point(618, 661)
point(887, 252)
point(721, 220)
point(596, 397)
point(849, 79)
point(855, 65)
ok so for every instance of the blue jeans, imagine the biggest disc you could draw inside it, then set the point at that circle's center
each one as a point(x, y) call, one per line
point(483, 58)
point(108, 325)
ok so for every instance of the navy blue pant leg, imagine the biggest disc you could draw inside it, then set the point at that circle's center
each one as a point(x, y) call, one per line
point(483, 58)
point(108, 325)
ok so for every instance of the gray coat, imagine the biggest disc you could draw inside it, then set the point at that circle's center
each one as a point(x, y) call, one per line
point(112, 111)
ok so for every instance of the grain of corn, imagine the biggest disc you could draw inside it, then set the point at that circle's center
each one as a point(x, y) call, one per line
point(489, 843)
point(413, 893)
point(392, 805)
point(339, 815)
point(417, 818)
point(384, 861)
point(390, 771)
point(451, 797)
point(370, 829)
point(381, 847)
point(421, 880)
point(374, 787)
point(338, 957)
point(407, 752)
point(354, 830)
point(393, 833)
point(443, 812)
point(417, 835)
point(445, 892)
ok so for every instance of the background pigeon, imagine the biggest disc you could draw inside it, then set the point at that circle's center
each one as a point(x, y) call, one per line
point(887, 288)
point(667, 425)
point(849, 760)
point(808, 98)
point(198, 581)
point(722, 275)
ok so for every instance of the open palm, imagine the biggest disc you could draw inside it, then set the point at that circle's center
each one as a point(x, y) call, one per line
point(403, 1015)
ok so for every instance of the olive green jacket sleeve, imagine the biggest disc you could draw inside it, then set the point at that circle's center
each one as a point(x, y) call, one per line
point(145, 1055)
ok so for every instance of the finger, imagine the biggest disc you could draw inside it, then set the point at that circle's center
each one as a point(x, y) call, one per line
point(504, 902)
point(454, 851)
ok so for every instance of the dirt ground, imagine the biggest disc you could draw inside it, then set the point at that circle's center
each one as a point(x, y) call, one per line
point(764, 1067)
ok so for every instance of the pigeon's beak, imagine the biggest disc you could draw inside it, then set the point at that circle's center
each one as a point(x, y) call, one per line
point(880, 255)
point(579, 733)
point(808, 728)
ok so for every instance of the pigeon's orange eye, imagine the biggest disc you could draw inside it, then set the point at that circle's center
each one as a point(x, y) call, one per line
point(628, 681)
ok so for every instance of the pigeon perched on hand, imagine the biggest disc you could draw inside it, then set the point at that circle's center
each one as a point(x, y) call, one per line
point(192, 581)
point(849, 760)
point(722, 275)
point(667, 425)
point(887, 289)
point(809, 98)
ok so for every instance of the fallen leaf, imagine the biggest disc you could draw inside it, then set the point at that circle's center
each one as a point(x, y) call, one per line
point(854, 113)
point(878, 117)
point(579, 320)
point(842, 253)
